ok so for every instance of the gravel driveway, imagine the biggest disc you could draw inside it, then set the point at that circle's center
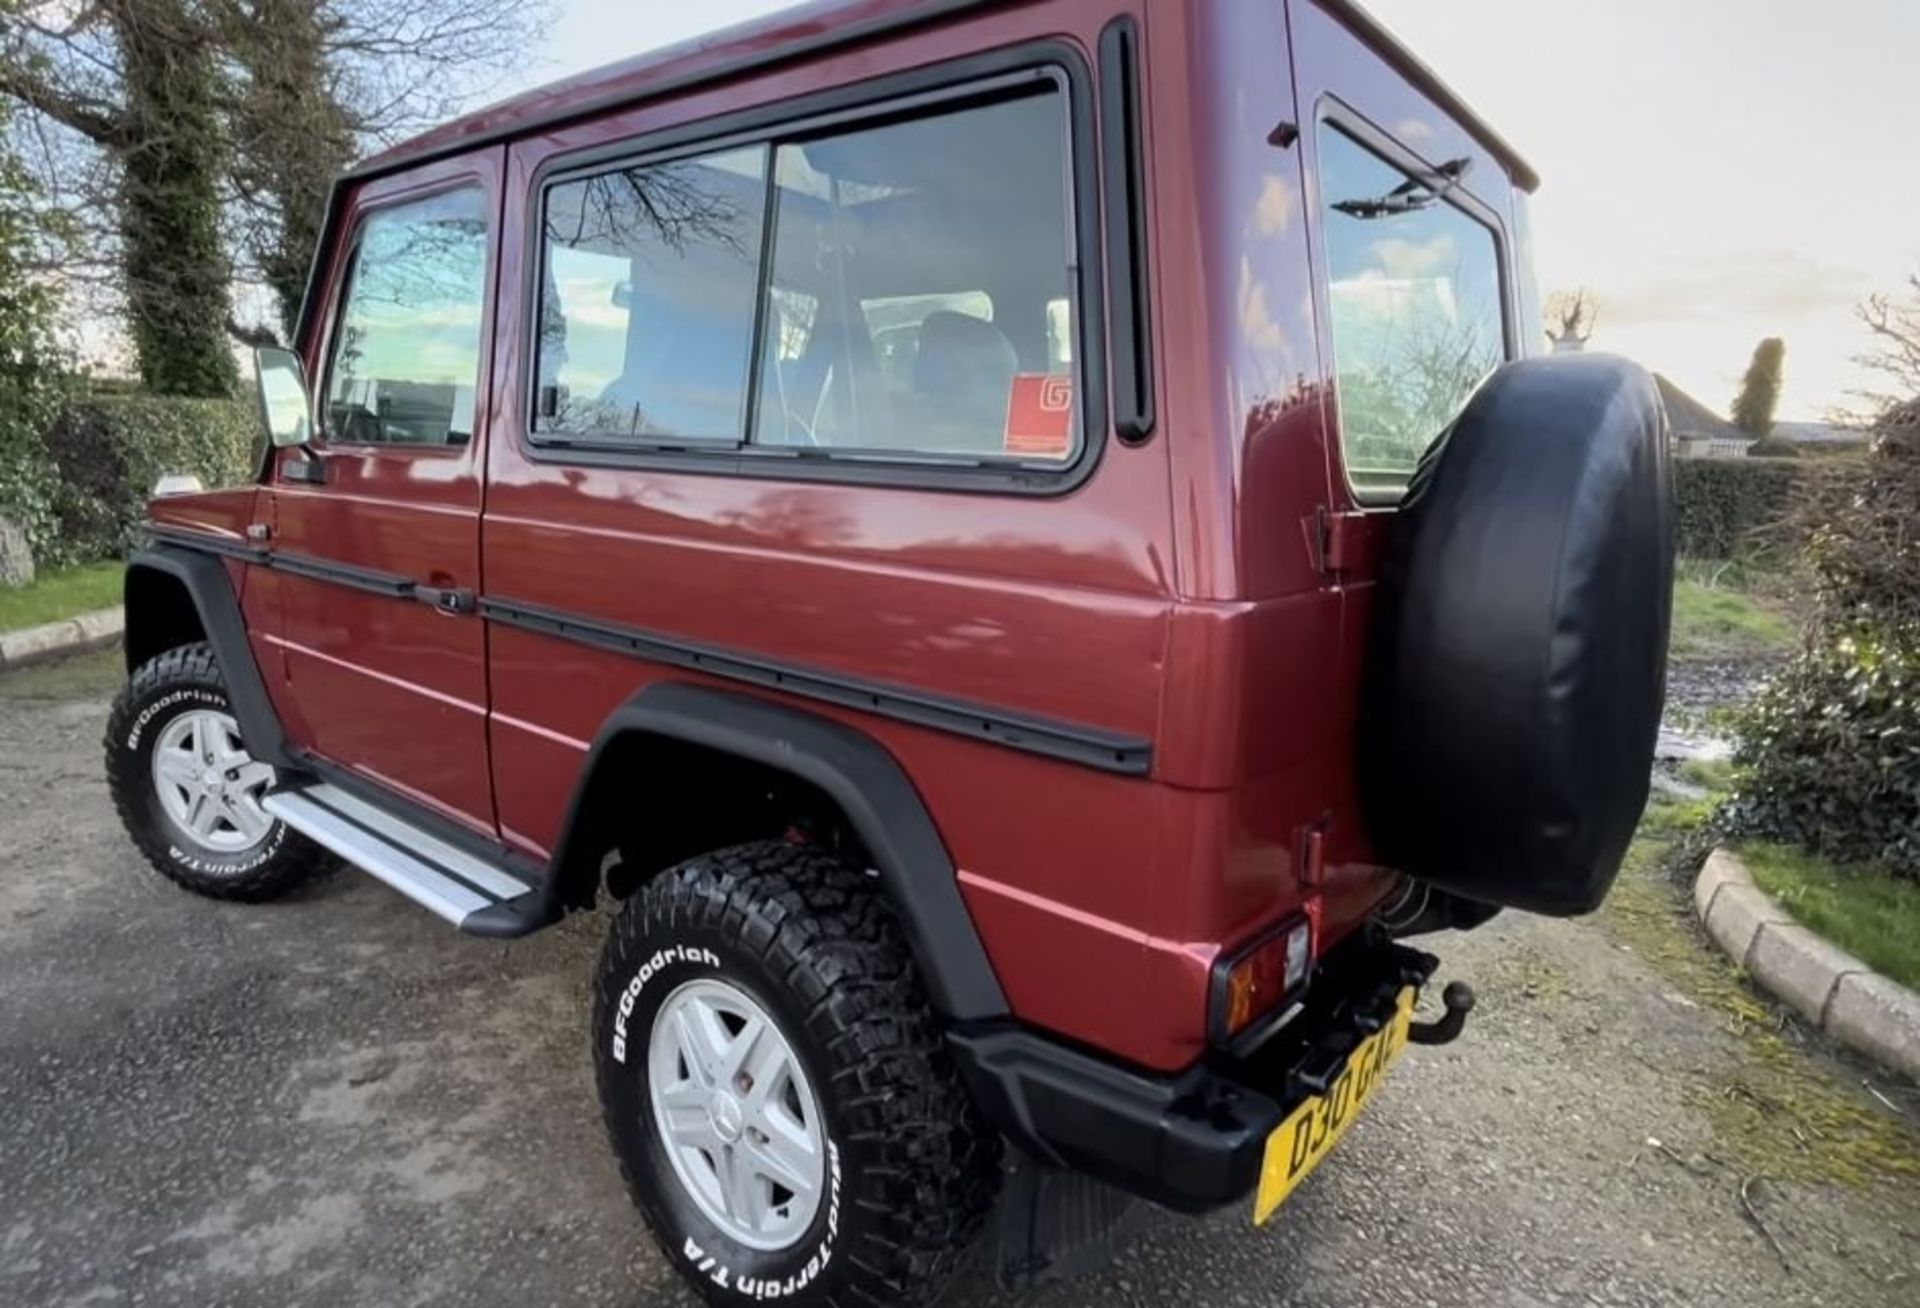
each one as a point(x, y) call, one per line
point(337, 1100)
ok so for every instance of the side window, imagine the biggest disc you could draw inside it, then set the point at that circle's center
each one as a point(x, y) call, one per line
point(914, 299)
point(1416, 311)
point(406, 347)
point(936, 254)
point(650, 277)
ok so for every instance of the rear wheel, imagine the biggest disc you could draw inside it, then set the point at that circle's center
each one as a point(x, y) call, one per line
point(775, 1087)
point(188, 791)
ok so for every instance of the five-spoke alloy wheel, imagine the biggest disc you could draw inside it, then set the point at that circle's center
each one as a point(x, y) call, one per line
point(188, 790)
point(742, 1127)
point(776, 1085)
point(208, 783)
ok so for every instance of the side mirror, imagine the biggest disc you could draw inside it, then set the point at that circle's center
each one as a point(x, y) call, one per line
point(286, 410)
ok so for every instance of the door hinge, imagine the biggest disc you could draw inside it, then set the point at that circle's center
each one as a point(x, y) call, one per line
point(1313, 852)
point(1343, 542)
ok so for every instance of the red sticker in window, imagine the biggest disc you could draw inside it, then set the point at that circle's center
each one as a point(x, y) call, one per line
point(1040, 416)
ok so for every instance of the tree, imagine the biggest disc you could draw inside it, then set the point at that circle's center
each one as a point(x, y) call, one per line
point(1893, 327)
point(316, 82)
point(1571, 316)
point(31, 373)
point(138, 80)
point(1760, 389)
point(295, 138)
point(196, 141)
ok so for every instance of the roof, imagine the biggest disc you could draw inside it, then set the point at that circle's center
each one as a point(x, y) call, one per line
point(1688, 417)
point(1819, 433)
point(815, 28)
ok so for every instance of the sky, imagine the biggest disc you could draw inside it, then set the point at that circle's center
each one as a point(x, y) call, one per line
point(1714, 171)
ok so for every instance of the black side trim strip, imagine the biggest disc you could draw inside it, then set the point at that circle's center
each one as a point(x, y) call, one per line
point(206, 542)
point(1088, 746)
point(374, 582)
point(1068, 741)
point(370, 580)
point(1124, 187)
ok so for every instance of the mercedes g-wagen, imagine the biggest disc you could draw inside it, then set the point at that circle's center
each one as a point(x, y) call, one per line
point(1016, 546)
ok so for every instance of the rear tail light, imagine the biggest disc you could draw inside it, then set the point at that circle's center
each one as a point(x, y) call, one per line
point(1253, 984)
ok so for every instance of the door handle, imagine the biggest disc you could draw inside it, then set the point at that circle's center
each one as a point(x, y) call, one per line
point(455, 600)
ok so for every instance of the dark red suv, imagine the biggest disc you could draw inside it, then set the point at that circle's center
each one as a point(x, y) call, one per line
point(1014, 544)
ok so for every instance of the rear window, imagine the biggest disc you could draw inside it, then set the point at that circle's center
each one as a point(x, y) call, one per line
point(896, 291)
point(1417, 319)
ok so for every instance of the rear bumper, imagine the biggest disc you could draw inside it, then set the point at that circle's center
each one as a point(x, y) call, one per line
point(1194, 1141)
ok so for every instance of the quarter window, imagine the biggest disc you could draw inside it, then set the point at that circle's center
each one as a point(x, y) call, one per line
point(914, 297)
point(1416, 310)
point(406, 349)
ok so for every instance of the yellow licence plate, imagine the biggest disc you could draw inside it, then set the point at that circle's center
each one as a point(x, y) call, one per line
point(1312, 1130)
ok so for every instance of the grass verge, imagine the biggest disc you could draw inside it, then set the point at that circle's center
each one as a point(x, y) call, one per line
point(1864, 911)
point(1712, 621)
point(61, 593)
point(1773, 1111)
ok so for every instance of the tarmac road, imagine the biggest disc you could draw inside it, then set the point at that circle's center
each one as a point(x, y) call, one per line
point(338, 1101)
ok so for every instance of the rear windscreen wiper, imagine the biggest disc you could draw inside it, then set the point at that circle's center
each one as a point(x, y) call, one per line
point(1410, 196)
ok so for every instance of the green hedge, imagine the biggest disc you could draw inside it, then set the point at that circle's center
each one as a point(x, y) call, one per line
point(107, 452)
point(1832, 748)
point(1720, 503)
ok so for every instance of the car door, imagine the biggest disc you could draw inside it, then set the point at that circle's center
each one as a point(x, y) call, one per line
point(375, 526)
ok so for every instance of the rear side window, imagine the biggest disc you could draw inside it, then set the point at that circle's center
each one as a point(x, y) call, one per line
point(406, 349)
point(647, 312)
point(1416, 310)
point(937, 254)
point(896, 291)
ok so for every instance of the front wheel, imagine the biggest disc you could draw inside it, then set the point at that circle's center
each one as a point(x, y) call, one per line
point(781, 1103)
point(187, 790)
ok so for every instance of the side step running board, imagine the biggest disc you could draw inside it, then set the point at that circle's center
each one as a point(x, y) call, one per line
point(475, 894)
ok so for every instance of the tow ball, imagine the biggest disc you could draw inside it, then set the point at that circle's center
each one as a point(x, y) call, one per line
point(1458, 997)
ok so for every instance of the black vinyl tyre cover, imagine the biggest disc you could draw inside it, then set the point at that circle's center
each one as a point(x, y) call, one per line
point(1517, 656)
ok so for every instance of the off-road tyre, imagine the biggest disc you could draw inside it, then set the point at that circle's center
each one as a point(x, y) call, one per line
point(161, 689)
point(815, 943)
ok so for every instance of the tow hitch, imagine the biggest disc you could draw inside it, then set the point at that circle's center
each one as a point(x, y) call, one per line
point(1458, 997)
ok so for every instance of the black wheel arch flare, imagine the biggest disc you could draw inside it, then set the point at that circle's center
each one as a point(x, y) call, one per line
point(854, 771)
point(155, 620)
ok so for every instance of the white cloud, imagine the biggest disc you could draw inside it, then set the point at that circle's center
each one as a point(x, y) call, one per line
point(1409, 260)
point(1273, 211)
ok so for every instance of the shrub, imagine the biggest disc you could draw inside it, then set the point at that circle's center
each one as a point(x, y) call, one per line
point(1832, 748)
point(1721, 504)
point(109, 450)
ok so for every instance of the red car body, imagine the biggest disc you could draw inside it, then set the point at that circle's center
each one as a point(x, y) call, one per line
point(1194, 603)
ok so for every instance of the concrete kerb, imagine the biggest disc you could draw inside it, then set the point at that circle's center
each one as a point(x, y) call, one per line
point(89, 631)
point(1865, 1011)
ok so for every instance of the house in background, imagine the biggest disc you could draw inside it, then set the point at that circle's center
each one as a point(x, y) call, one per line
point(1699, 432)
point(1820, 435)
